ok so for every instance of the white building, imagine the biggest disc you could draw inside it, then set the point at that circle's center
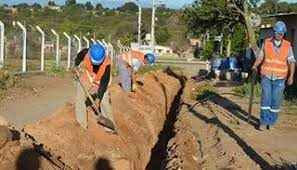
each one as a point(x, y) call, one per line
point(54, 7)
point(159, 50)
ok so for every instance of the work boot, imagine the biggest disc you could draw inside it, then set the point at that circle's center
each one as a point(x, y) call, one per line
point(261, 127)
point(270, 127)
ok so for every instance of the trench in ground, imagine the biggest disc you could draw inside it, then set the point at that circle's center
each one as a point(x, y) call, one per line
point(159, 151)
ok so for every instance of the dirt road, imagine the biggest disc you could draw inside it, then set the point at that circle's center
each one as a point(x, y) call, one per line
point(215, 135)
point(45, 95)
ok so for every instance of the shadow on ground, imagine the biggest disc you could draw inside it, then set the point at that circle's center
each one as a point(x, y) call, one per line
point(245, 147)
point(103, 164)
point(230, 106)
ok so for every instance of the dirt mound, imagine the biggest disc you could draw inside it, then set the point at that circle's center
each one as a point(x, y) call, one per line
point(139, 118)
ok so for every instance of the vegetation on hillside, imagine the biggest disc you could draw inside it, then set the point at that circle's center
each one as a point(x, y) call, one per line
point(96, 21)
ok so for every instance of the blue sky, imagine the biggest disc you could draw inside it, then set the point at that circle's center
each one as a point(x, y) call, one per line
point(113, 3)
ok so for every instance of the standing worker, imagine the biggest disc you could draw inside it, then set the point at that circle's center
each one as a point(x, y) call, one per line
point(278, 64)
point(129, 63)
point(94, 68)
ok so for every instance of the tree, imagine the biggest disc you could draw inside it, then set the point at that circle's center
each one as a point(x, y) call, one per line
point(69, 3)
point(162, 35)
point(36, 6)
point(99, 6)
point(51, 3)
point(221, 16)
point(22, 5)
point(129, 6)
point(89, 5)
point(180, 46)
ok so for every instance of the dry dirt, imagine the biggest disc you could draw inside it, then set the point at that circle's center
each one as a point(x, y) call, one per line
point(159, 127)
point(58, 137)
point(214, 134)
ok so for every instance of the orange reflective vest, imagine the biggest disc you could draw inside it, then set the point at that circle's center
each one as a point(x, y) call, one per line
point(275, 63)
point(127, 56)
point(89, 75)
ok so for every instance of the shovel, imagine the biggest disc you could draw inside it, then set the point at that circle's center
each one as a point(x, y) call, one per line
point(101, 119)
point(251, 94)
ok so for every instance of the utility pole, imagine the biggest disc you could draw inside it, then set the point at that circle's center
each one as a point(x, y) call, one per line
point(139, 25)
point(153, 27)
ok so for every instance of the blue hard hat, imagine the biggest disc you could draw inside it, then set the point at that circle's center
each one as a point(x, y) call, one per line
point(280, 27)
point(150, 58)
point(97, 54)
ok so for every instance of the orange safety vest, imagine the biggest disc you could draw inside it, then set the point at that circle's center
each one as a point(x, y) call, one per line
point(127, 56)
point(89, 73)
point(275, 63)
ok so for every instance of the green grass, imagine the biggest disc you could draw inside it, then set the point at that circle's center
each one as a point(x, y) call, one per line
point(156, 67)
point(7, 80)
point(203, 91)
point(54, 70)
point(244, 90)
point(145, 69)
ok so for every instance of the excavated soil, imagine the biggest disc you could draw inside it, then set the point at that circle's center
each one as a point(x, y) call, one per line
point(58, 142)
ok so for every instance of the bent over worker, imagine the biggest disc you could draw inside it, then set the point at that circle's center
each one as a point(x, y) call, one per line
point(278, 64)
point(94, 68)
point(129, 63)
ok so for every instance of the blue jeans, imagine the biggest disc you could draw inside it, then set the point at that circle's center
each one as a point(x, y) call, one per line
point(124, 75)
point(272, 93)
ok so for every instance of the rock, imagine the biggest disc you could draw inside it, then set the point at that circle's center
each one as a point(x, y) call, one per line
point(5, 136)
point(3, 121)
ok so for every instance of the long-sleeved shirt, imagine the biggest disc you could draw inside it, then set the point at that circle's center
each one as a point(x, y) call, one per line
point(291, 58)
point(104, 81)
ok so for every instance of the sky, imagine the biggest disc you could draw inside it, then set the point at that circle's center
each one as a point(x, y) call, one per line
point(113, 3)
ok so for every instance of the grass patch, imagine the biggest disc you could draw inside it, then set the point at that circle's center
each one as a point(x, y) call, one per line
point(145, 69)
point(203, 91)
point(244, 90)
point(7, 80)
point(155, 67)
point(55, 70)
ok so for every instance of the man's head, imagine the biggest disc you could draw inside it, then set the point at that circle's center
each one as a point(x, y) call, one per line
point(149, 58)
point(97, 54)
point(279, 29)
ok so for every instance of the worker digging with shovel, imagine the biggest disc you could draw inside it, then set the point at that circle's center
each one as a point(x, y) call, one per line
point(92, 69)
point(278, 65)
point(129, 63)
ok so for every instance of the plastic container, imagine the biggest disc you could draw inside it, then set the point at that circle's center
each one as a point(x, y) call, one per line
point(233, 63)
point(215, 64)
point(224, 64)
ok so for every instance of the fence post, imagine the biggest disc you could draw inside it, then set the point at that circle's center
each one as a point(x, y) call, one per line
point(99, 42)
point(57, 46)
point(111, 51)
point(69, 50)
point(2, 28)
point(42, 47)
point(94, 42)
point(79, 42)
point(106, 46)
point(87, 41)
point(24, 62)
point(207, 65)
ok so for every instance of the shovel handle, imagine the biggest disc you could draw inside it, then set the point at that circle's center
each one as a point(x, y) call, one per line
point(101, 119)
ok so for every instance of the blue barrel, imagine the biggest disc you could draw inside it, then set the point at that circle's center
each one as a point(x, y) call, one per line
point(215, 64)
point(233, 63)
point(224, 64)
